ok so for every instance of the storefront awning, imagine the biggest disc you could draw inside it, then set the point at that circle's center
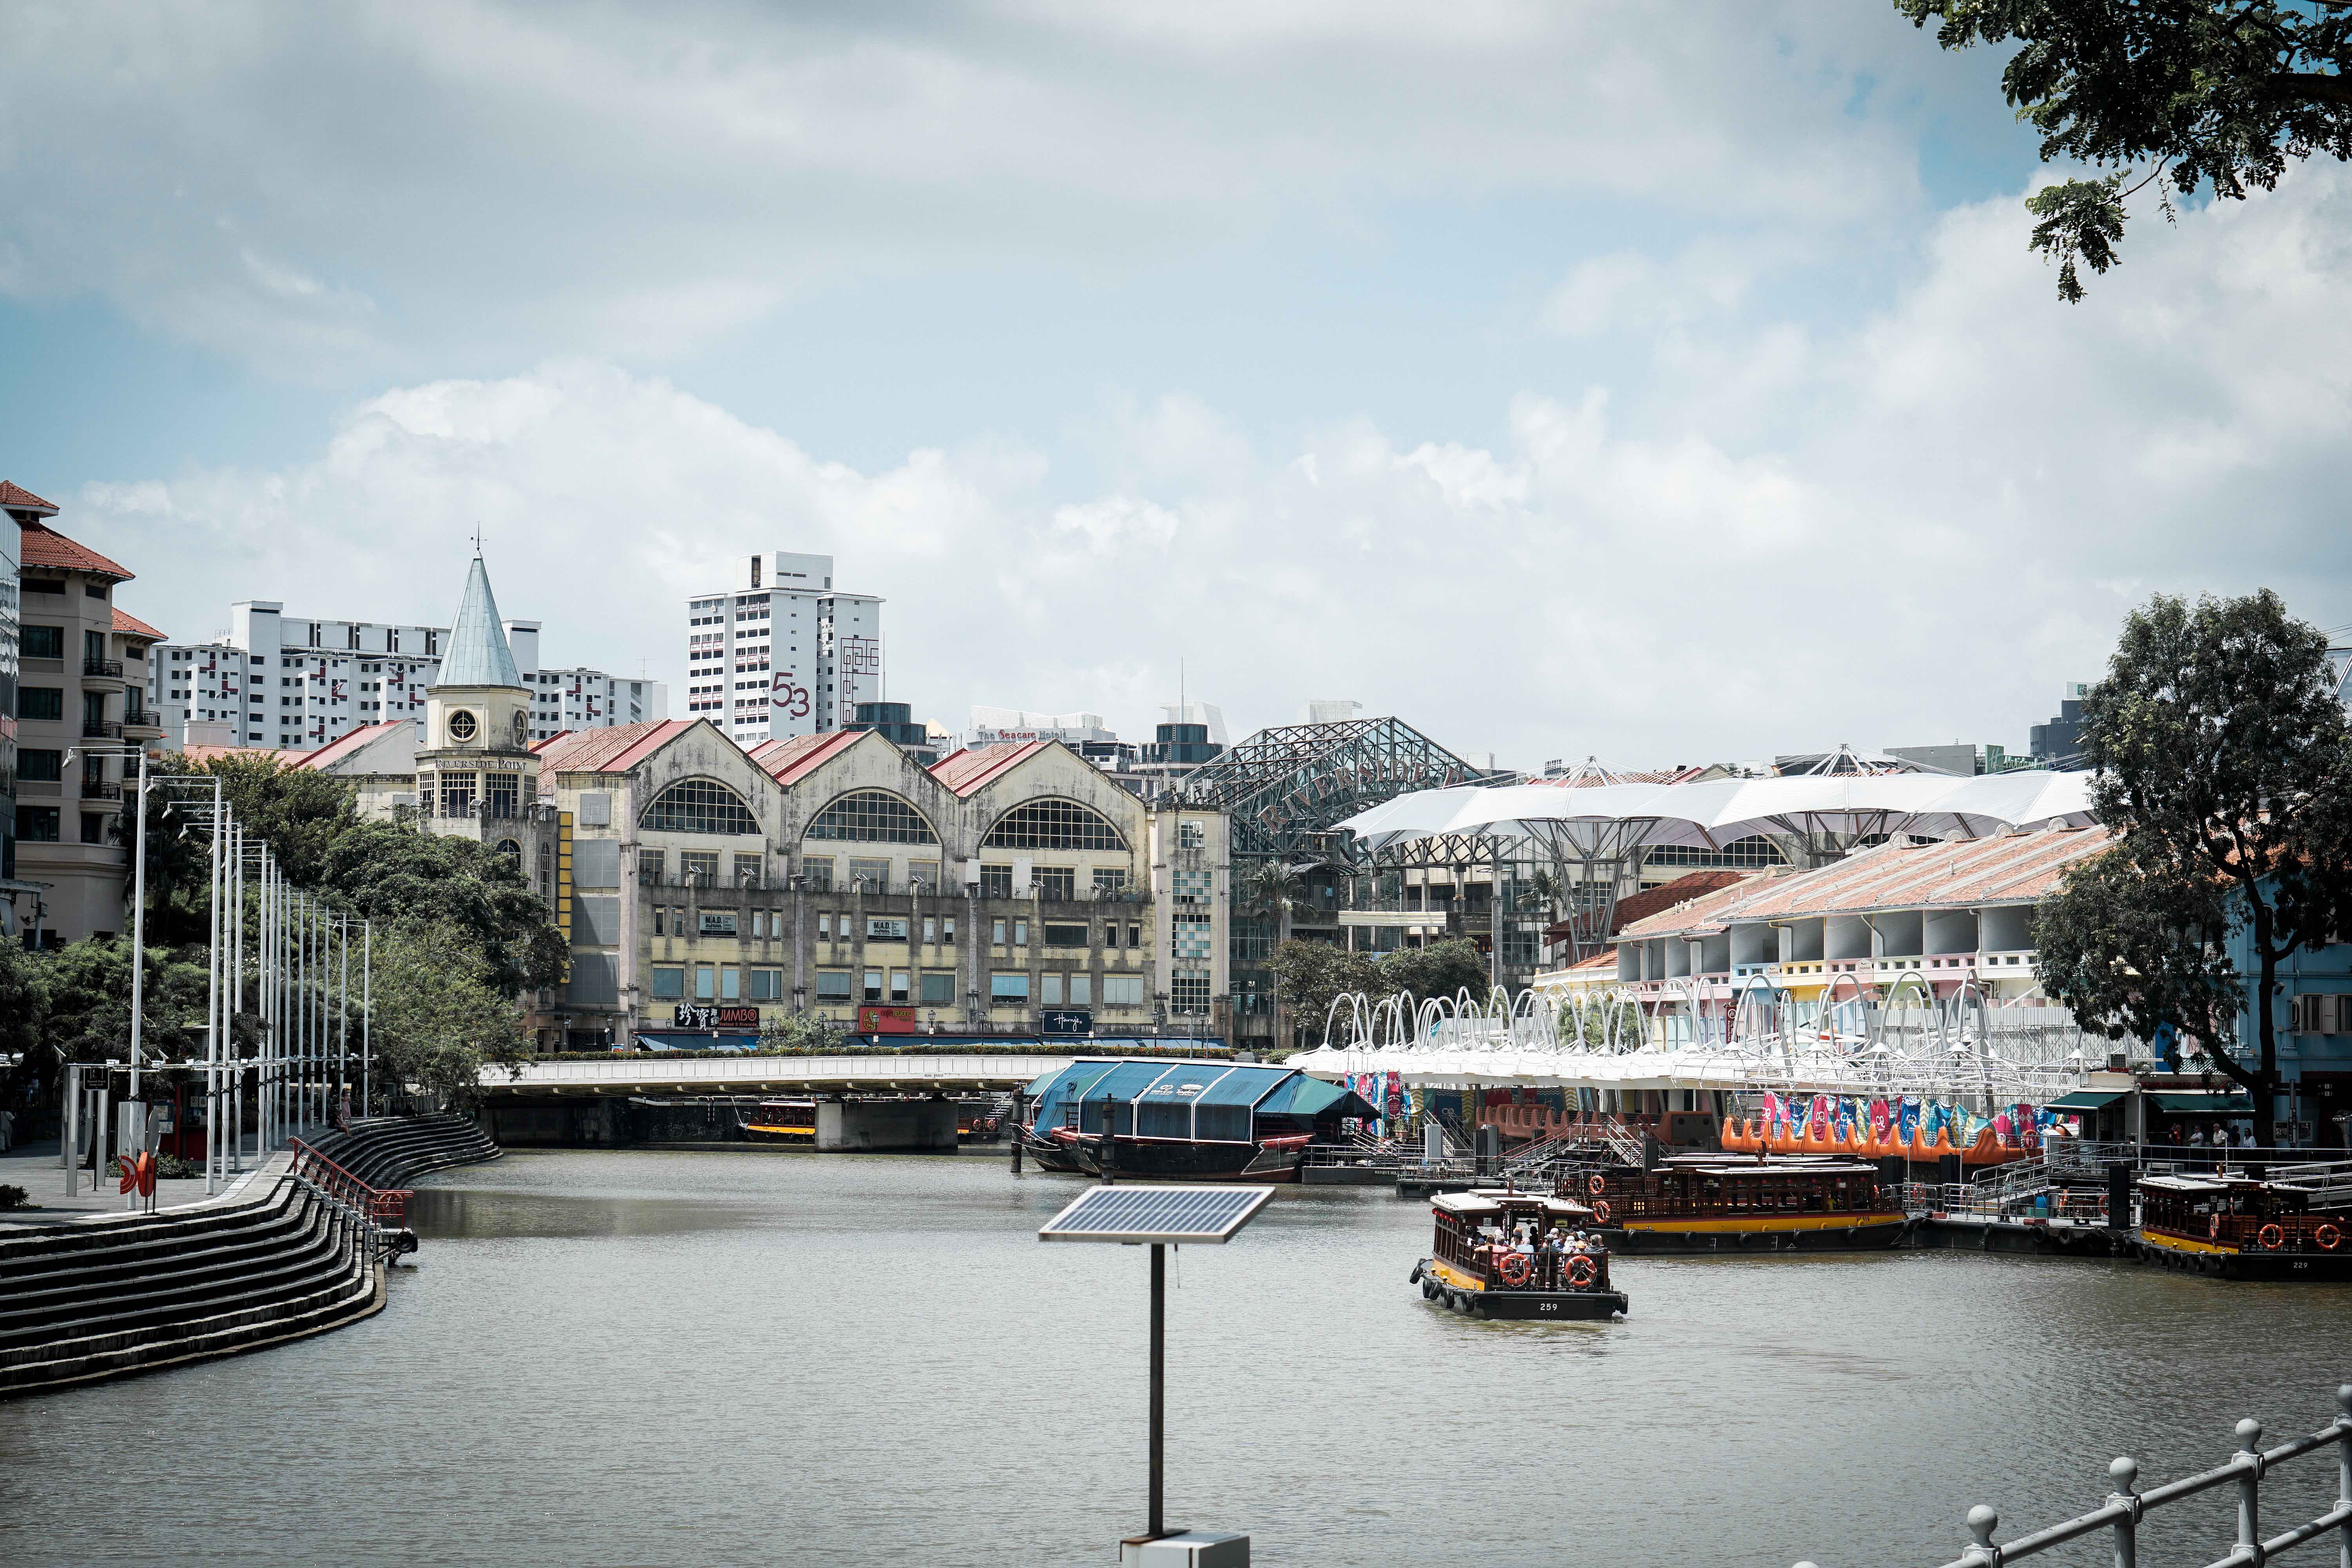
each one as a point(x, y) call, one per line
point(2203, 1102)
point(2088, 1100)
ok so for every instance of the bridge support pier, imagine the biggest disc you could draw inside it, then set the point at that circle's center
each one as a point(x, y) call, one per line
point(866, 1126)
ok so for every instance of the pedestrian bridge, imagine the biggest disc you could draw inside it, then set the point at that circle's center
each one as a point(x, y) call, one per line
point(847, 1074)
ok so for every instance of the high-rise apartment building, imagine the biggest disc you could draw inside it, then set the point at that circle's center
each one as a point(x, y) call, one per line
point(298, 682)
point(781, 652)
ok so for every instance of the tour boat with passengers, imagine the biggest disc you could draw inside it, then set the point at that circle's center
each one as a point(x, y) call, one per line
point(781, 1121)
point(2241, 1227)
point(1516, 1254)
point(1157, 1120)
point(1741, 1202)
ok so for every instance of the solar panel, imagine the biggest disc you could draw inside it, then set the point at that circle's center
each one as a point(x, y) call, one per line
point(1131, 1215)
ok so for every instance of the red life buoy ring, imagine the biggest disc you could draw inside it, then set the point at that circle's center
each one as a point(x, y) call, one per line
point(1517, 1268)
point(2272, 1237)
point(1596, 1186)
point(1601, 1211)
point(2328, 1236)
point(1581, 1271)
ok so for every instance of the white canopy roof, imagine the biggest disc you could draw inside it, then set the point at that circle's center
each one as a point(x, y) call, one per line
point(1721, 810)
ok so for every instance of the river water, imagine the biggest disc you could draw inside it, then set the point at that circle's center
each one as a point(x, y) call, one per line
point(642, 1357)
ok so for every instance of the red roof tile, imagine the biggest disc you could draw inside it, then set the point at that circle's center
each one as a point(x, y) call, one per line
point(969, 770)
point(22, 499)
point(2006, 868)
point(791, 761)
point(44, 546)
point(133, 626)
point(343, 746)
point(1649, 901)
point(612, 751)
point(207, 753)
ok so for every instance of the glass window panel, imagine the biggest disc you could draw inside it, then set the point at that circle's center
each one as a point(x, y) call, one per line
point(833, 985)
point(1057, 882)
point(898, 987)
point(1052, 825)
point(1081, 990)
point(873, 985)
point(669, 983)
point(939, 990)
point(730, 983)
point(1008, 987)
point(699, 805)
point(872, 817)
point(705, 982)
point(1049, 990)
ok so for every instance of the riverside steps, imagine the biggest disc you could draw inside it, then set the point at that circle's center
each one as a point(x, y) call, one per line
point(295, 1248)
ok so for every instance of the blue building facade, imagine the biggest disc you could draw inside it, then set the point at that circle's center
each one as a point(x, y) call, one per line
point(2314, 1014)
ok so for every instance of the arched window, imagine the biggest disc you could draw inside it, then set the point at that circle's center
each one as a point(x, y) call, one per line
point(871, 816)
point(699, 805)
point(1745, 853)
point(512, 851)
point(1052, 825)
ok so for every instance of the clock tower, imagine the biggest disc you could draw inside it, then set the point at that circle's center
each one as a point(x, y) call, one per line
point(476, 776)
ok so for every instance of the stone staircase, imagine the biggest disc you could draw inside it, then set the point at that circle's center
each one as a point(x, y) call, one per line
point(277, 1259)
point(393, 1151)
point(100, 1299)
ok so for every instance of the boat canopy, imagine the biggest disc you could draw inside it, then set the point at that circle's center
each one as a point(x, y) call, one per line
point(1211, 1100)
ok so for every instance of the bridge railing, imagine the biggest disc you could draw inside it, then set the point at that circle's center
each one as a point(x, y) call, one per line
point(2125, 1506)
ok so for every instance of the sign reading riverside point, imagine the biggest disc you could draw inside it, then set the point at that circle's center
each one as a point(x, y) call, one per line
point(690, 1016)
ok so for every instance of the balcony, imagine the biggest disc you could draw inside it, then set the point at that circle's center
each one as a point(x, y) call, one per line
point(100, 729)
point(102, 669)
point(99, 789)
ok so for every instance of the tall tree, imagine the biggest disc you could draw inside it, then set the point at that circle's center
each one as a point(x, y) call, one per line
point(2224, 767)
point(438, 1017)
point(2182, 94)
point(1309, 976)
point(388, 872)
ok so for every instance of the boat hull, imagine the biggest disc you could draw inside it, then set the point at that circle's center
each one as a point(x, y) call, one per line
point(1546, 1305)
point(2190, 1256)
point(1773, 1233)
point(1173, 1159)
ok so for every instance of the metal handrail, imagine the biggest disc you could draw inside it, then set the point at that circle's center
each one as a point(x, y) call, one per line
point(387, 1207)
point(2124, 1507)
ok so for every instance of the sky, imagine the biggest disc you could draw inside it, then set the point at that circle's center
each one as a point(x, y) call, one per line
point(1659, 383)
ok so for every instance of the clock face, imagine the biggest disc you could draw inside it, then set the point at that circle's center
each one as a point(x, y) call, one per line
point(522, 730)
point(462, 726)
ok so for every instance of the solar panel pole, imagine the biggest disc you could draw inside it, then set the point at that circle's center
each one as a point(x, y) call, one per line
point(1159, 1381)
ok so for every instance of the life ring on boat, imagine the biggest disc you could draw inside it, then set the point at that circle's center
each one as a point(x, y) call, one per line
point(1595, 1185)
point(1517, 1268)
point(1581, 1271)
point(1601, 1211)
point(2328, 1236)
point(2272, 1237)
point(2214, 1228)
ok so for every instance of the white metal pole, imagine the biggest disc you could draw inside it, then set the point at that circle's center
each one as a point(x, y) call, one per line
point(237, 1000)
point(213, 1007)
point(139, 925)
point(367, 1015)
point(343, 1017)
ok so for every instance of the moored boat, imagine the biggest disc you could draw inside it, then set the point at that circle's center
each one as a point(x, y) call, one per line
point(2240, 1228)
point(1730, 1202)
point(1183, 1120)
point(781, 1121)
point(1516, 1254)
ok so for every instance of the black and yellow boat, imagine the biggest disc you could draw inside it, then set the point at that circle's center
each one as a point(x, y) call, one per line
point(1742, 1203)
point(2240, 1228)
point(1509, 1254)
point(781, 1121)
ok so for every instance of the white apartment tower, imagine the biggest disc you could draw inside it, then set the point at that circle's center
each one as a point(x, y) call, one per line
point(298, 683)
point(779, 652)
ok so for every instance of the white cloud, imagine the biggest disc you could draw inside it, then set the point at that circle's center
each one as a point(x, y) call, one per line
point(369, 187)
point(1907, 531)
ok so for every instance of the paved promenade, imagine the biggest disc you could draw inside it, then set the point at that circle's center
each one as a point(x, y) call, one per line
point(34, 1167)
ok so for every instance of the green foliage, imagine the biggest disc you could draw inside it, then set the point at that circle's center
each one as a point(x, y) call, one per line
point(386, 872)
point(439, 1015)
point(1600, 1019)
point(1440, 969)
point(2224, 766)
point(799, 1031)
point(1313, 975)
point(14, 1197)
point(2217, 93)
point(300, 814)
point(84, 992)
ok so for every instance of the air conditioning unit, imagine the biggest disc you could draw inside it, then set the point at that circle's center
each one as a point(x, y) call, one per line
point(2322, 1014)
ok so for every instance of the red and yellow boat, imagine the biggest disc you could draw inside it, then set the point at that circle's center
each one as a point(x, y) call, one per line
point(1728, 1202)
